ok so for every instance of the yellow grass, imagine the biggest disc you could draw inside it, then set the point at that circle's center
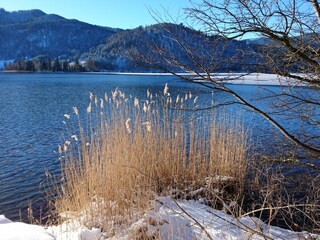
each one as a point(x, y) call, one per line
point(130, 150)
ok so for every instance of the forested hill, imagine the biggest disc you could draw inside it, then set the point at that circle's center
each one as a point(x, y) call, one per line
point(35, 36)
point(140, 47)
point(26, 34)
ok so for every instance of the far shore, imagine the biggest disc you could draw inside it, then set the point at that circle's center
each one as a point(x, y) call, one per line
point(230, 78)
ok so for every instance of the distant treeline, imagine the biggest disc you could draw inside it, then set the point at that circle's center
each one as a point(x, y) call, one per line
point(47, 65)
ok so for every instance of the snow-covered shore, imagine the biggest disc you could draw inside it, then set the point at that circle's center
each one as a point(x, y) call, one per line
point(264, 79)
point(167, 219)
point(232, 78)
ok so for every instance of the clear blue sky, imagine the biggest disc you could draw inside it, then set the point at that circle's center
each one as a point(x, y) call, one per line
point(111, 13)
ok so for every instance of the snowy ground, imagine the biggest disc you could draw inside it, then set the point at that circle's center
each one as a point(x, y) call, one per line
point(238, 78)
point(167, 219)
point(255, 79)
point(263, 79)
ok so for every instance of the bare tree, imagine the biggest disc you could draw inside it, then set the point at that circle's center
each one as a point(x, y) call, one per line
point(291, 26)
point(290, 36)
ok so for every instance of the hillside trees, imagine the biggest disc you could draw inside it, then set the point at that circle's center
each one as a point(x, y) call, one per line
point(289, 47)
point(46, 65)
point(65, 66)
point(56, 66)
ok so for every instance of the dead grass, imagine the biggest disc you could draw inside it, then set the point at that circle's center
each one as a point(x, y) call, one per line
point(129, 150)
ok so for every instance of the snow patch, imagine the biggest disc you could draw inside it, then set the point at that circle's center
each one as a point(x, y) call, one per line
point(166, 219)
point(21, 231)
point(182, 219)
point(231, 78)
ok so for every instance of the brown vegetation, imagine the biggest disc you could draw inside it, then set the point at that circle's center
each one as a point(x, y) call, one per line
point(128, 152)
point(131, 151)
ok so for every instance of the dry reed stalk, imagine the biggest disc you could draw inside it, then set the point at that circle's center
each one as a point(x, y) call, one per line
point(131, 149)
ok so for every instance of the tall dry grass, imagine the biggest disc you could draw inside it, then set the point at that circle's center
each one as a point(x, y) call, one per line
point(130, 150)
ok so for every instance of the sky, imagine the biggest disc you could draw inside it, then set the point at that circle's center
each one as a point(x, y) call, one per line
point(125, 14)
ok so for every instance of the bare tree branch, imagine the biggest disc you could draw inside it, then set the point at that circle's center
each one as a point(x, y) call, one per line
point(292, 49)
point(316, 7)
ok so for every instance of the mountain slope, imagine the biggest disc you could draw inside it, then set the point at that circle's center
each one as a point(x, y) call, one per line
point(131, 49)
point(31, 33)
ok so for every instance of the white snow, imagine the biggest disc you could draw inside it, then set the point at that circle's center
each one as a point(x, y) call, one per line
point(233, 78)
point(190, 220)
point(166, 219)
point(72, 230)
point(255, 79)
point(262, 79)
point(21, 231)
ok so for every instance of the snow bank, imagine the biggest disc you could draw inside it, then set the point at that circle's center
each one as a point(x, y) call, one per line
point(192, 220)
point(67, 231)
point(21, 231)
point(166, 219)
point(73, 230)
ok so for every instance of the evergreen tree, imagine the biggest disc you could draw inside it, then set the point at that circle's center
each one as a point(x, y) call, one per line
point(77, 66)
point(21, 65)
point(65, 66)
point(49, 64)
point(56, 66)
point(43, 65)
point(29, 66)
point(91, 65)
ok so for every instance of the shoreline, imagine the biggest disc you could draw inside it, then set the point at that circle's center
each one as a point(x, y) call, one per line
point(261, 79)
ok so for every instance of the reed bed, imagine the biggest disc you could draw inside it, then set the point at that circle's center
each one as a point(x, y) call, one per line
point(128, 151)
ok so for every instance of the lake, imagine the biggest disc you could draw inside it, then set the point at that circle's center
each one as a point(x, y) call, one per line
point(31, 124)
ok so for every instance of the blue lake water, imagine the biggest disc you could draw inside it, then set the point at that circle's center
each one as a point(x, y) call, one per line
point(32, 108)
